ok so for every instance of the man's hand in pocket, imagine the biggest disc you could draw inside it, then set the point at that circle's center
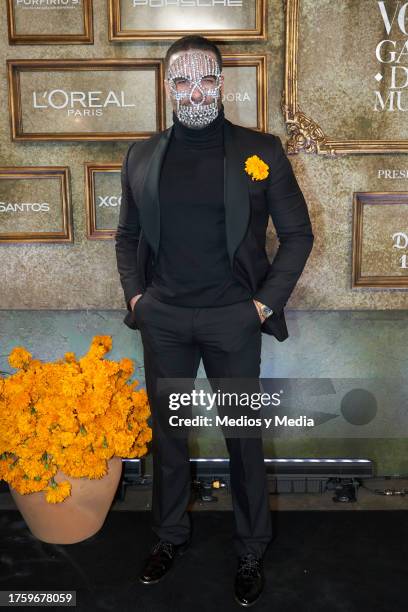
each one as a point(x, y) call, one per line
point(134, 300)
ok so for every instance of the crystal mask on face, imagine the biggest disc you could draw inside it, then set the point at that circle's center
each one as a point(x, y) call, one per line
point(193, 72)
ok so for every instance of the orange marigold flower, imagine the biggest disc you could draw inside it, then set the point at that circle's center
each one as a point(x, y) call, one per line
point(57, 492)
point(19, 357)
point(256, 168)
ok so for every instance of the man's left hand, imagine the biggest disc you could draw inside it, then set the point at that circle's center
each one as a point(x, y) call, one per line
point(258, 307)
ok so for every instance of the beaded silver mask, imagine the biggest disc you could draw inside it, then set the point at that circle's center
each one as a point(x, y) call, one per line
point(192, 72)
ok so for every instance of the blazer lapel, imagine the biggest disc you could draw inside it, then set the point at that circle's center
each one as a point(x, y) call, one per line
point(236, 194)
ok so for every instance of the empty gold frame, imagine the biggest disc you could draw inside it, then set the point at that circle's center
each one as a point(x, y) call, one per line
point(25, 206)
point(70, 22)
point(306, 135)
point(187, 17)
point(103, 197)
point(108, 99)
point(380, 240)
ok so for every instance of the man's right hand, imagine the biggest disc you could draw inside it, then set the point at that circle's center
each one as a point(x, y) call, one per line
point(134, 300)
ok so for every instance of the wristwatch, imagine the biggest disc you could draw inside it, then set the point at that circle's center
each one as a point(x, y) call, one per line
point(264, 309)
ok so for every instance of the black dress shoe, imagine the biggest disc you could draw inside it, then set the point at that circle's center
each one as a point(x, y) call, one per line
point(160, 560)
point(249, 580)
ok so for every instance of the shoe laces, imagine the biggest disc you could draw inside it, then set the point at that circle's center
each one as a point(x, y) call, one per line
point(248, 565)
point(162, 545)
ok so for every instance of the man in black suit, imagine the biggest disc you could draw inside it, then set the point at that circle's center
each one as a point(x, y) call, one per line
point(190, 247)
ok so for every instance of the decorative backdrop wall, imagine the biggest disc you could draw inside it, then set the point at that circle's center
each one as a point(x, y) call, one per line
point(336, 82)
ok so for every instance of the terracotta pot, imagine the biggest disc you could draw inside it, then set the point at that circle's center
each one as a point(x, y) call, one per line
point(79, 516)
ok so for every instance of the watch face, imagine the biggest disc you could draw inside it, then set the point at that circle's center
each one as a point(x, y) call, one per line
point(266, 311)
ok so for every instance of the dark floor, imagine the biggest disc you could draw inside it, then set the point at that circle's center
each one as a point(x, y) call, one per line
point(318, 561)
point(325, 556)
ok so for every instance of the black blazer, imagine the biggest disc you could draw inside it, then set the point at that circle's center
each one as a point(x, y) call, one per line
point(248, 205)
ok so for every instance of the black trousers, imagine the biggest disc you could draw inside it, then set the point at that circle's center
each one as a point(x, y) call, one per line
point(228, 339)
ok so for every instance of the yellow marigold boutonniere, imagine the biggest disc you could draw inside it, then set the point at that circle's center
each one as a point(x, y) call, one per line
point(256, 168)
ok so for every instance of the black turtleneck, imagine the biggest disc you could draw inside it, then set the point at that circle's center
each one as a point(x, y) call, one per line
point(192, 268)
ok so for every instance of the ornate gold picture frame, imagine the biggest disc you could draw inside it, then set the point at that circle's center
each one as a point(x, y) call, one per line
point(21, 206)
point(306, 135)
point(18, 36)
point(102, 197)
point(380, 240)
point(106, 99)
point(175, 13)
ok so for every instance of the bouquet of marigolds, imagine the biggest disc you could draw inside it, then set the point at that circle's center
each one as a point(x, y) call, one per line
point(70, 415)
